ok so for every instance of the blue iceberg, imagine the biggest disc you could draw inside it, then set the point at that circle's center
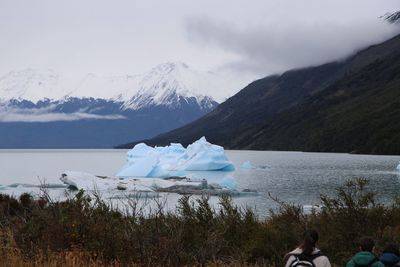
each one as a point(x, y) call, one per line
point(174, 160)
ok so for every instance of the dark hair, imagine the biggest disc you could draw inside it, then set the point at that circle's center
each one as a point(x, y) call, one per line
point(392, 248)
point(309, 241)
point(367, 244)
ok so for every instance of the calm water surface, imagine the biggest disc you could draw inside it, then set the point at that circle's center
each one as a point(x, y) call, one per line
point(291, 176)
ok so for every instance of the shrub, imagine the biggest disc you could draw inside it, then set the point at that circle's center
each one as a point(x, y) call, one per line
point(90, 230)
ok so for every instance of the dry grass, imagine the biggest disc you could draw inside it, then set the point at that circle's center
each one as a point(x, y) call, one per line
point(11, 256)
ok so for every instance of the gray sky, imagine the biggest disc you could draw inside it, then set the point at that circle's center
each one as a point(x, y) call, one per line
point(126, 37)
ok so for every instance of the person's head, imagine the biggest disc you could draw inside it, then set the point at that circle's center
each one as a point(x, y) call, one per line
point(310, 239)
point(367, 244)
point(392, 248)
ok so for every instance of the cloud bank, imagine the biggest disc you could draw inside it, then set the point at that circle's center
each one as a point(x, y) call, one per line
point(45, 115)
point(287, 44)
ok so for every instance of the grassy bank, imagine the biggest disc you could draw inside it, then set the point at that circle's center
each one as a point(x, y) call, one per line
point(87, 231)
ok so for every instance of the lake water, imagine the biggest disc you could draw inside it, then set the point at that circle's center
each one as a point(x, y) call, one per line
point(291, 176)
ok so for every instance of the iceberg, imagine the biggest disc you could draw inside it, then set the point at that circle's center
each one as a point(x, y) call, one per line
point(88, 181)
point(169, 169)
point(150, 187)
point(142, 160)
point(174, 160)
point(398, 167)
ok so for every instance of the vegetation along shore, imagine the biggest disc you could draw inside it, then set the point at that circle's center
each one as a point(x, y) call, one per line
point(86, 230)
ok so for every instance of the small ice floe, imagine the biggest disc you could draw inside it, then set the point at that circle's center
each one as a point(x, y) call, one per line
point(229, 183)
point(55, 191)
point(398, 167)
point(44, 185)
point(247, 165)
point(174, 160)
point(90, 182)
point(179, 185)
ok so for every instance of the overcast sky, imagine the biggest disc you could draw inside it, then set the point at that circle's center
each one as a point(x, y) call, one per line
point(111, 37)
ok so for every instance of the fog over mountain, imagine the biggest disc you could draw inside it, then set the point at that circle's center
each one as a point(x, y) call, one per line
point(110, 38)
point(290, 43)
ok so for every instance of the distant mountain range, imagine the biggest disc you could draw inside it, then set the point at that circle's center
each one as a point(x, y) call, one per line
point(44, 109)
point(345, 106)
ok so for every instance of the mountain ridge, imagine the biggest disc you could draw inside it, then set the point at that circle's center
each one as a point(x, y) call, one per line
point(265, 105)
point(154, 87)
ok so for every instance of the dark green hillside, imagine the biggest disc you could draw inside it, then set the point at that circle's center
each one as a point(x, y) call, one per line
point(305, 109)
point(359, 113)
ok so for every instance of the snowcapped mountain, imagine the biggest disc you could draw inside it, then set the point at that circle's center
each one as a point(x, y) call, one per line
point(170, 83)
point(43, 108)
point(167, 84)
point(111, 88)
point(31, 85)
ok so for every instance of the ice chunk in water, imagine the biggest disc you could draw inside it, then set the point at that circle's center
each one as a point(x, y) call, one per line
point(229, 183)
point(175, 160)
point(247, 165)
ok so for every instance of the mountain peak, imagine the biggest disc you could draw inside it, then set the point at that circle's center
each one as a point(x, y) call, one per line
point(169, 67)
point(392, 17)
point(29, 83)
point(167, 84)
point(31, 72)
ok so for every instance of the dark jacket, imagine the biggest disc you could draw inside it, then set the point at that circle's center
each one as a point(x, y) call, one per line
point(362, 259)
point(390, 259)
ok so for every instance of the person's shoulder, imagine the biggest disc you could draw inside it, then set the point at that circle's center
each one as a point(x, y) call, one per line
point(378, 264)
point(323, 260)
point(288, 260)
point(350, 263)
point(321, 256)
point(324, 257)
point(290, 256)
point(296, 251)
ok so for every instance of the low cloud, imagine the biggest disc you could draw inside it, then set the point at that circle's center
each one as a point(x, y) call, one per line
point(45, 115)
point(285, 45)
